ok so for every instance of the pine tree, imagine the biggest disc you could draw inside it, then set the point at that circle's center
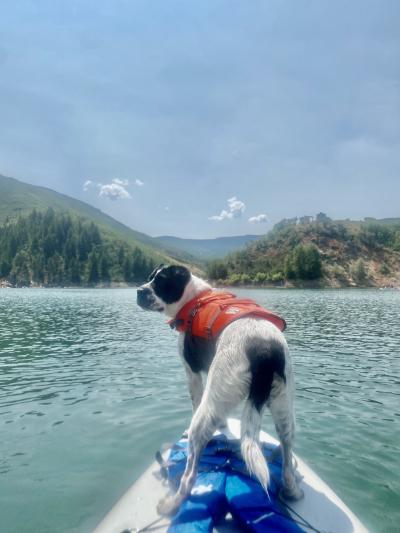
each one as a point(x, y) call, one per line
point(93, 275)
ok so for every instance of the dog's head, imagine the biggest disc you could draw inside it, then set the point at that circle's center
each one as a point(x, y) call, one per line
point(165, 289)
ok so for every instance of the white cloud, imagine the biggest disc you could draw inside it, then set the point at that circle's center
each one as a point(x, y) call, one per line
point(166, 208)
point(236, 207)
point(87, 185)
point(259, 219)
point(139, 183)
point(235, 210)
point(114, 190)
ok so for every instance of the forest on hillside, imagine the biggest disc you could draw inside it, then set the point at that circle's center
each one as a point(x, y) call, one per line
point(312, 249)
point(52, 248)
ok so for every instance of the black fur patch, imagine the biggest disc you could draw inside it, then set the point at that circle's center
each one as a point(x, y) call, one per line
point(266, 358)
point(198, 352)
point(170, 282)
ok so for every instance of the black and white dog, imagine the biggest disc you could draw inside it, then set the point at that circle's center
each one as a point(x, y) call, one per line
point(250, 363)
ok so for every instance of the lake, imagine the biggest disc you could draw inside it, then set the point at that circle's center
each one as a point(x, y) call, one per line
point(91, 385)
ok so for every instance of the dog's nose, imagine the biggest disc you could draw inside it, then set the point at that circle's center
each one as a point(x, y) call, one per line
point(143, 296)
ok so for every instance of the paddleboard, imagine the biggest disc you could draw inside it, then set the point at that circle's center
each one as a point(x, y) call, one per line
point(321, 510)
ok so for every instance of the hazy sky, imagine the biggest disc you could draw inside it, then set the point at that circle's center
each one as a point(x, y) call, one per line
point(205, 114)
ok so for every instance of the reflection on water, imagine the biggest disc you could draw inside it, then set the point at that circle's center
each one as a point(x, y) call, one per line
point(90, 386)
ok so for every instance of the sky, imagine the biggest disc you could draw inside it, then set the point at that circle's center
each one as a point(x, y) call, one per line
point(203, 119)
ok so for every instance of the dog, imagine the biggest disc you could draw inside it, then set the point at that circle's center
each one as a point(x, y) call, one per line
point(249, 362)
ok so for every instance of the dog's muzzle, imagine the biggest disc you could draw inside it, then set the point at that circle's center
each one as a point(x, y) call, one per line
point(145, 298)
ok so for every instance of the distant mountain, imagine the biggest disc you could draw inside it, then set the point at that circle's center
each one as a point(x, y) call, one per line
point(205, 249)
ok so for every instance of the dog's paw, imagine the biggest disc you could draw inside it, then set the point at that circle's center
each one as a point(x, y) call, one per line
point(167, 506)
point(292, 494)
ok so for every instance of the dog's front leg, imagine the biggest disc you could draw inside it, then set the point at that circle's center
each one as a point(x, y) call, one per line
point(195, 383)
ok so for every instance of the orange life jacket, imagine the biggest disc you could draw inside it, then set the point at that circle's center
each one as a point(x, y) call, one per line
point(210, 312)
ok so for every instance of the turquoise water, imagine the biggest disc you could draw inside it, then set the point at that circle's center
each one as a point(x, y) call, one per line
point(90, 386)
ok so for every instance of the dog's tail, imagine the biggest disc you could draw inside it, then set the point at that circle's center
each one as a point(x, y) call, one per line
point(250, 444)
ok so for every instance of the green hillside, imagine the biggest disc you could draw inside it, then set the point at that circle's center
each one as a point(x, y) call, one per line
point(50, 239)
point(19, 198)
point(309, 251)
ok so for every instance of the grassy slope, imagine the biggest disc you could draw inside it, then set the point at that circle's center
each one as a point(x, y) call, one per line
point(18, 198)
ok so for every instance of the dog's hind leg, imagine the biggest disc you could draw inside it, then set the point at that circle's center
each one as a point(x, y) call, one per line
point(281, 406)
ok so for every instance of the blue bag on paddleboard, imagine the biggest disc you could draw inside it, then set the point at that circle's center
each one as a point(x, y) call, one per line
point(224, 485)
